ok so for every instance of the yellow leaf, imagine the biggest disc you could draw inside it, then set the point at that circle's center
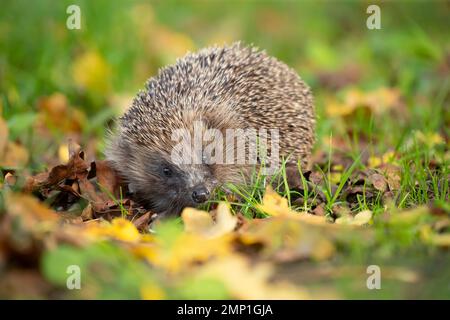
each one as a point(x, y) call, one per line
point(374, 162)
point(171, 44)
point(120, 229)
point(334, 109)
point(152, 292)
point(323, 249)
point(431, 139)
point(200, 222)
point(441, 240)
point(186, 249)
point(360, 219)
point(376, 101)
point(12, 155)
point(344, 220)
point(287, 239)
point(92, 73)
point(250, 281)
point(388, 157)
point(124, 230)
point(335, 177)
point(63, 153)
point(275, 205)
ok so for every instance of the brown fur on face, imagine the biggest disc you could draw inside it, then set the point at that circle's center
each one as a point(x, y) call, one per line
point(233, 87)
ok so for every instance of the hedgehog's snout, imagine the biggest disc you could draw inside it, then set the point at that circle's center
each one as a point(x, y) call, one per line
point(200, 194)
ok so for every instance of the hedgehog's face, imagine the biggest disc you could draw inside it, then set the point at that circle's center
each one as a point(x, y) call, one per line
point(167, 188)
point(166, 175)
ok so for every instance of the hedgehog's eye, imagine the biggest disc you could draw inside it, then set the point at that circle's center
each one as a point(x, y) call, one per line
point(167, 172)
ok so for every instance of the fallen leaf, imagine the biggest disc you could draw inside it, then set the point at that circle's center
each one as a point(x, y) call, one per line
point(362, 218)
point(10, 179)
point(92, 73)
point(275, 205)
point(152, 292)
point(287, 239)
point(119, 229)
point(441, 240)
point(377, 101)
point(200, 222)
point(14, 156)
point(57, 114)
point(378, 181)
point(392, 174)
point(33, 214)
point(142, 222)
point(107, 177)
point(359, 219)
point(254, 278)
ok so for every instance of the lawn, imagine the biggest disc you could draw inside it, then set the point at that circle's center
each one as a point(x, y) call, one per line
point(369, 219)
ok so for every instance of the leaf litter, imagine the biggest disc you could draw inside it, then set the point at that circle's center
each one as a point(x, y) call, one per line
point(81, 210)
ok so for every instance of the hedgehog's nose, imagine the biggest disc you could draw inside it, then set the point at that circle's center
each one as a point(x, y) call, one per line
point(200, 194)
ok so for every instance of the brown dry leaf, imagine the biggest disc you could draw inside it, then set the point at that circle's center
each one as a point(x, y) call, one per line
point(378, 181)
point(24, 284)
point(76, 168)
point(33, 214)
point(142, 222)
point(316, 178)
point(392, 174)
point(340, 78)
point(99, 201)
point(14, 156)
point(107, 177)
point(55, 112)
point(74, 178)
point(34, 182)
point(87, 213)
point(320, 210)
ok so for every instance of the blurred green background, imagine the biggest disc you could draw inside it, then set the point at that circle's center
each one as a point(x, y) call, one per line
point(123, 43)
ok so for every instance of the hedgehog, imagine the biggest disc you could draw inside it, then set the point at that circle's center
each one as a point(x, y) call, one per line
point(218, 89)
